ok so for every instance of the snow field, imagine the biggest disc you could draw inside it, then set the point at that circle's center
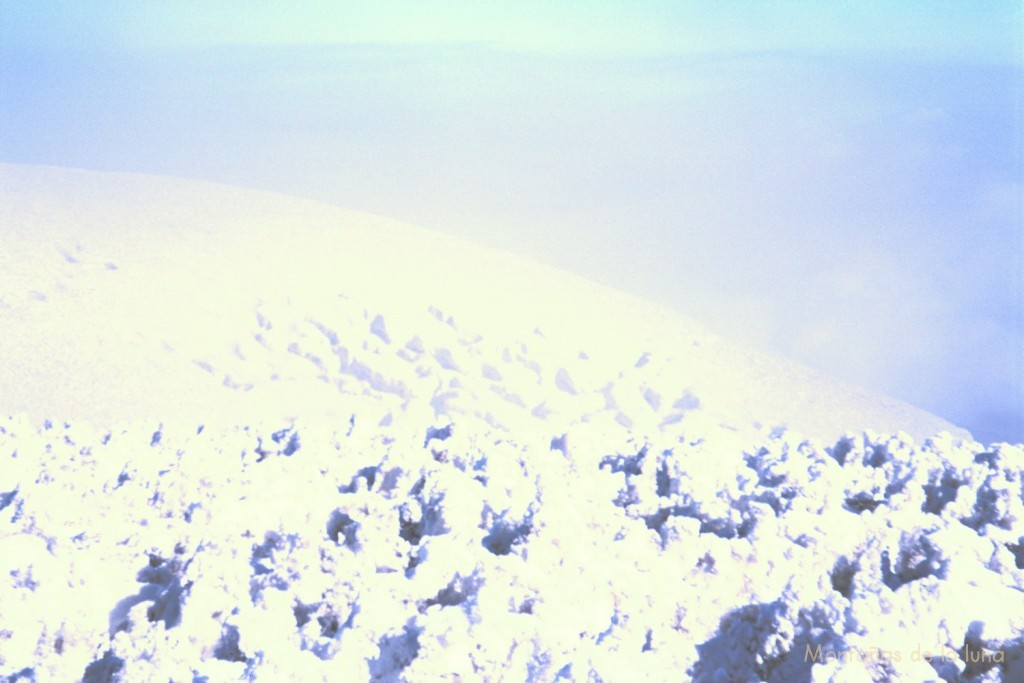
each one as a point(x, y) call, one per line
point(293, 442)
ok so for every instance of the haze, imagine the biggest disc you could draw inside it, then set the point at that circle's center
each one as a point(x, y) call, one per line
point(840, 186)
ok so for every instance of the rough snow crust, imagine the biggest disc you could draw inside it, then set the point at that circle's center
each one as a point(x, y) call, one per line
point(254, 438)
point(453, 552)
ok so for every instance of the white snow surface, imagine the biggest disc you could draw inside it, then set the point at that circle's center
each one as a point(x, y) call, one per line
point(133, 297)
point(249, 437)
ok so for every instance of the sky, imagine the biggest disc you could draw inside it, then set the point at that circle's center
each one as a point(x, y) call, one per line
point(838, 183)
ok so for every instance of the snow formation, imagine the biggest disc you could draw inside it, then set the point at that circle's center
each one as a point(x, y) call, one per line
point(253, 438)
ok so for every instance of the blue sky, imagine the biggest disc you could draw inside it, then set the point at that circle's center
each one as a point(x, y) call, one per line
point(839, 184)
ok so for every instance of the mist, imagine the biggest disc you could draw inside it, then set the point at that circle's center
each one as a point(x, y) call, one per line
point(862, 215)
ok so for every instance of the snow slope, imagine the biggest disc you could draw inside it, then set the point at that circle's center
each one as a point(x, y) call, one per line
point(249, 437)
point(131, 297)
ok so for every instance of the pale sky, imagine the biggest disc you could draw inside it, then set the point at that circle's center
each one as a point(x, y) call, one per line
point(933, 29)
point(840, 183)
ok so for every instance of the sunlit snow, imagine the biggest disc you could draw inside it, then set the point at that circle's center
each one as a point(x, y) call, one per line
point(245, 436)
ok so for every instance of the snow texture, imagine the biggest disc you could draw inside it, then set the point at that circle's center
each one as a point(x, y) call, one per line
point(331, 473)
point(369, 553)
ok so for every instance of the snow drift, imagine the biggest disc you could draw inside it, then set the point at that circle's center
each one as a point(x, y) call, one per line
point(253, 437)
